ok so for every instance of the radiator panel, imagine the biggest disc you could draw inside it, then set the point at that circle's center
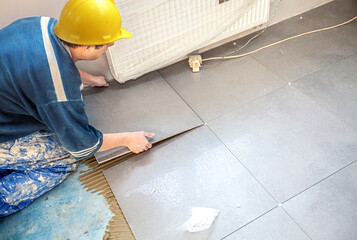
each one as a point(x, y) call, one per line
point(167, 30)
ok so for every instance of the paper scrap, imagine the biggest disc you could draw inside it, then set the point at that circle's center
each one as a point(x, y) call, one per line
point(201, 219)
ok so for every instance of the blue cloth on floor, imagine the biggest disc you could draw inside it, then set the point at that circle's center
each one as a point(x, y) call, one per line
point(29, 167)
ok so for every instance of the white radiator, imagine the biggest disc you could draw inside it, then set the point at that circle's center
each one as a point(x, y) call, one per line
point(256, 15)
point(167, 30)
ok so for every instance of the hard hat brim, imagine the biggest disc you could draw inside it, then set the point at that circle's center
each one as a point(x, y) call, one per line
point(124, 34)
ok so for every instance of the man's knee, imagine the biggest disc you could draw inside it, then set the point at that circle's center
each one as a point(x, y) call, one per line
point(20, 188)
point(39, 150)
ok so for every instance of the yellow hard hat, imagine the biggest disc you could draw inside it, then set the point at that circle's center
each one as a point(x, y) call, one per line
point(90, 22)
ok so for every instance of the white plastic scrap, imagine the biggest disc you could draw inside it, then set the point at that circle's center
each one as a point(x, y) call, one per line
point(201, 219)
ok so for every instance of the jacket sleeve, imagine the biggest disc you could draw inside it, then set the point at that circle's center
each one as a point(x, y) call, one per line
point(70, 123)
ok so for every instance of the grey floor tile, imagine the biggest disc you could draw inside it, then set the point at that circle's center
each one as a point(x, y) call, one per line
point(348, 32)
point(333, 13)
point(287, 141)
point(320, 17)
point(328, 210)
point(148, 104)
point(275, 225)
point(273, 33)
point(335, 89)
point(157, 189)
point(218, 90)
point(300, 57)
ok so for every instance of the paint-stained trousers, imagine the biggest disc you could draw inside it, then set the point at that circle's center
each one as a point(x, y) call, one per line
point(29, 167)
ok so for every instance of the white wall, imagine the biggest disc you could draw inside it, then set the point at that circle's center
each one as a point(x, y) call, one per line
point(290, 8)
point(15, 9)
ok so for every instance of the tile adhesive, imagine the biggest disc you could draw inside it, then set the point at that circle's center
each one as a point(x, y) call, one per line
point(94, 181)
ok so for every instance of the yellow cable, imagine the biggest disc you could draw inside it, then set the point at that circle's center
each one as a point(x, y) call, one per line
point(284, 40)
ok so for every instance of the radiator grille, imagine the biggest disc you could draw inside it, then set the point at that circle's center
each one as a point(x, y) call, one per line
point(166, 30)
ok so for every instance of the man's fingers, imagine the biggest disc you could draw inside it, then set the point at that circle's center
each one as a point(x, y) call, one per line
point(106, 84)
point(139, 142)
point(149, 135)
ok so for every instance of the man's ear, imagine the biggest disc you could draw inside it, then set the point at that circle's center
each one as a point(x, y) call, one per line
point(86, 48)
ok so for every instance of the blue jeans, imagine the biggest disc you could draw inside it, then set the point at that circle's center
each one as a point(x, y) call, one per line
point(29, 167)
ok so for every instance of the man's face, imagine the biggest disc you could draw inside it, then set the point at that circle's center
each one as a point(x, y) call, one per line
point(93, 53)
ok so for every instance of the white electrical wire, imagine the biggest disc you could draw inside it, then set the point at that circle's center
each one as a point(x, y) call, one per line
point(254, 37)
point(257, 35)
point(281, 41)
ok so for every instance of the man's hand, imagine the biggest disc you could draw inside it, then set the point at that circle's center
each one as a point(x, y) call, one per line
point(93, 81)
point(137, 142)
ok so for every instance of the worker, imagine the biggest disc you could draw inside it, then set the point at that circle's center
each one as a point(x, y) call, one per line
point(44, 130)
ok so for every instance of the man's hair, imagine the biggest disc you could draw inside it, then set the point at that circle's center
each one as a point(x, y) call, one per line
point(72, 45)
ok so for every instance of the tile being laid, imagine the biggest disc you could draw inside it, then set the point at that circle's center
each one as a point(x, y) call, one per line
point(287, 141)
point(328, 210)
point(216, 90)
point(334, 89)
point(157, 189)
point(275, 225)
point(148, 104)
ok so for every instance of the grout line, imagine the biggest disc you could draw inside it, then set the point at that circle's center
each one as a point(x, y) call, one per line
point(335, 116)
point(181, 97)
point(282, 207)
point(311, 98)
point(296, 222)
point(354, 161)
point(285, 80)
point(245, 104)
point(243, 165)
point(234, 108)
point(325, 67)
point(257, 98)
point(260, 216)
point(271, 70)
point(253, 100)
